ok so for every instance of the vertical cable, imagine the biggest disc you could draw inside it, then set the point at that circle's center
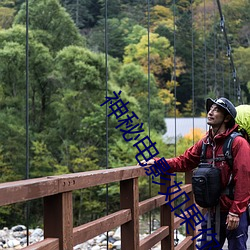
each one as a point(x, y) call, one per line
point(175, 95)
point(222, 69)
point(235, 89)
point(215, 52)
point(223, 80)
point(148, 23)
point(192, 19)
point(27, 207)
point(230, 56)
point(174, 78)
point(205, 51)
point(106, 81)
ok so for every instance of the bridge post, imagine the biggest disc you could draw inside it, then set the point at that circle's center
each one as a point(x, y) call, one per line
point(58, 219)
point(167, 217)
point(129, 198)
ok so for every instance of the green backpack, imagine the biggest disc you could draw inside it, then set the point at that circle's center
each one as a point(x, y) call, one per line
point(243, 120)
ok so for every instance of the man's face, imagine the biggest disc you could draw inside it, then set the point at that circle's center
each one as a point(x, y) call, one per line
point(215, 116)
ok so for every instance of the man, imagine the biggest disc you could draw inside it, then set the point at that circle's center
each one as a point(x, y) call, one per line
point(221, 115)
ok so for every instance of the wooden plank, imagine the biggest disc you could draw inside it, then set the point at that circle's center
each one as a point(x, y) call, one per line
point(185, 244)
point(19, 191)
point(98, 177)
point(154, 238)
point(46, 244)
point(89, 230)
point(129, 196)
point(58, 219)
point(24, 190)
point(151, 203)
point(157, 201)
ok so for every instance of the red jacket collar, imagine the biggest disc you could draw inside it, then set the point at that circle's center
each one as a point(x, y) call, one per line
point(221, 136)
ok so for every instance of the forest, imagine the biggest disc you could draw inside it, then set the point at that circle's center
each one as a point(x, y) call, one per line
point(165, 56)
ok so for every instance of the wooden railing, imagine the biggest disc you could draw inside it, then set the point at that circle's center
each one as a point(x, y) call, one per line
point(56, 192)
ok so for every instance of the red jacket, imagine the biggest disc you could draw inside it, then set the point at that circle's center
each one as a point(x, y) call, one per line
point(241, 167)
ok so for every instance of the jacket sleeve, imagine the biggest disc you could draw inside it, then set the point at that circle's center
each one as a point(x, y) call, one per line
point(241, 175)
point(187, 161)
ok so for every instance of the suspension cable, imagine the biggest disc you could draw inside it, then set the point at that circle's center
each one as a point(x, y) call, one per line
point(175, 95)
point(106, 82)
point(205, 50)
point(174, 79)
point(229, 53)
point(215, 53)
point(149, 182)
point(192, 28)
point(27, 207)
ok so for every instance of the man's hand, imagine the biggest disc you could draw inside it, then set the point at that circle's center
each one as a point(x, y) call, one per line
point(232, 222)
point(150, 162)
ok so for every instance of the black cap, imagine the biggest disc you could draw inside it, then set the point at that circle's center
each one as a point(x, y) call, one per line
point(223, 103)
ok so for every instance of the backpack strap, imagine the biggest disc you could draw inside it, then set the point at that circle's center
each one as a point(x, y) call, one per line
point(227, 148)
point(203, 152)
point(227, 151)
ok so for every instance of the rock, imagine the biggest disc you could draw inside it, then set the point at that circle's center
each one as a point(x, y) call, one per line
point(111, 240)
point(100, 238)
point(18, 228)
point(38, 232)
point(117, 245)
point(103, 243)
point(18, 247)
point(80, 246)
point(23, 240)
point(3, 233)
point(13, 243)
point(111, 233)
point(18, 234)
point(117, 235)
point(95, 248)
point(91, 242)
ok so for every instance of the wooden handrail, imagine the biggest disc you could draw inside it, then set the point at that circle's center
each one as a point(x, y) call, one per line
point(58, 209)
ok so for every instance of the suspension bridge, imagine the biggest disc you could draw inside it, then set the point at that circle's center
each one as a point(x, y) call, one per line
point(56, 192)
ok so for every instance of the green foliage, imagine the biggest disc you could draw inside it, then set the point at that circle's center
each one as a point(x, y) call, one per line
point(84, 13)
point(42, 162)
point(6, 17)
point(135, 82)
point(242, 63)
point(118, 31)
point(53, 25)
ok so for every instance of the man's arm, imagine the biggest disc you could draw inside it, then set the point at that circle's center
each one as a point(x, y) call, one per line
point(185, 162)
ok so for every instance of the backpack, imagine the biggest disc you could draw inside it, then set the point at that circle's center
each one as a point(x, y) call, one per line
point(243, 120)
point(206, 179)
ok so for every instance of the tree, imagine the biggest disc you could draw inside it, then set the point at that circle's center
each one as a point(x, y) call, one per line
point(161, 16)
point(53, 25)
point(135, 82)
point(6, 17)
point(84, 13)
point(161, 60)
point(242, 65)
